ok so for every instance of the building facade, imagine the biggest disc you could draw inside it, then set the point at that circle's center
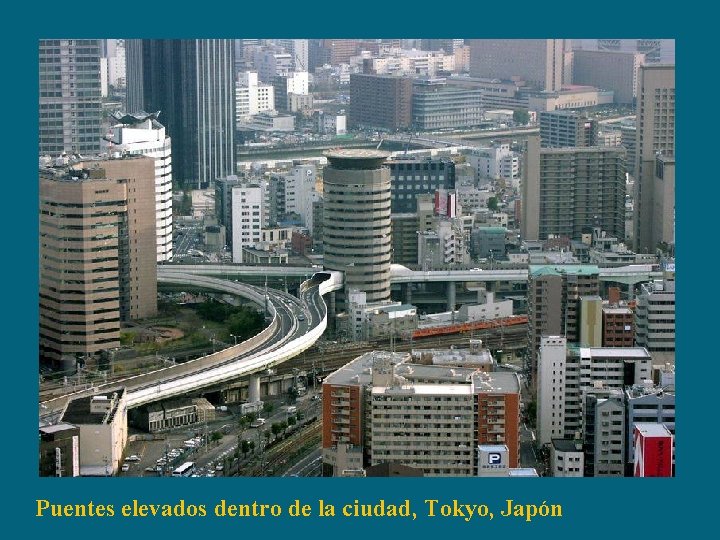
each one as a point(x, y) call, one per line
point(437, 105)
point(537, 61)
point(96, 267)
point(655, 136)
point(143, 134)
point(70, 117)
point(412, 177)
point(380, 101)
point(560, 129)
point(356, 222)
point(192, 81)
point(578, 189)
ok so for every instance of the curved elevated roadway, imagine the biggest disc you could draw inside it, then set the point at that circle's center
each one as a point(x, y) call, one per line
point(296, 324)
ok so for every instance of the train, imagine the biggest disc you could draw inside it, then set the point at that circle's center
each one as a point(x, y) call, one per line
point(469, 326)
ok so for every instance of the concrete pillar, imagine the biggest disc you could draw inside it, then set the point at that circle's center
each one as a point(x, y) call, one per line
point(451, 296)
point(254, 388)
point(406, 293)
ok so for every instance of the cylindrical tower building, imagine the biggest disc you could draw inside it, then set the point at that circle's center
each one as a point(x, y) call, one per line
point(357, 228)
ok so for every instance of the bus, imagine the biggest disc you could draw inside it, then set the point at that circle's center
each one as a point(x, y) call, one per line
point(186, 469)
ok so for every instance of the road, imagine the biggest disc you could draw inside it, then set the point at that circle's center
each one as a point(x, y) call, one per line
point(310, 465)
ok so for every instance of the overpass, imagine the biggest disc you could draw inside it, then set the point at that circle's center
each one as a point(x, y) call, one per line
point(629, 275)
point(297, 323)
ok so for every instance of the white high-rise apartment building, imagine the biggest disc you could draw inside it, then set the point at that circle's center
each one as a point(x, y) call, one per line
point(271, 62)
point(251, 96)
point(116, 62)
point(300, 193)
point(655, 319)
point(298, 49)
point(562, 378)
point(248, 209)
point(143, 134)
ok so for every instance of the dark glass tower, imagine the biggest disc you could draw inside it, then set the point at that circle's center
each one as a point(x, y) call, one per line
point(191, 82)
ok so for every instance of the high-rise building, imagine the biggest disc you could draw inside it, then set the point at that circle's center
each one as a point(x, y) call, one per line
point(412, 177)
point(192, 82)
point(424, 416)
point(59, 450)
point(249, 207)
point(609, 70)
point(603, 429)
point(356, 223)
point(97, 267)
point(554, 294)
point(437, 105)
point(380, 101)
point(536, 61)
point(561, 129)
point(142, 133)
point(577, 189)
point(655, 319)
point(655, 136)
point(566, 373)
point(70, 96)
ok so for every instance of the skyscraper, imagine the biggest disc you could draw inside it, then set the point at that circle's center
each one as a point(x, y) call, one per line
point(191, 82)
point(356, 227)
point(573, 190)
point(142, 133)
point(537, 61)
point(655, 136)
point(70, 96)
point(97, 255)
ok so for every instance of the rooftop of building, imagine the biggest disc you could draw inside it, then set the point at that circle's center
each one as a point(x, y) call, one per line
point(504, 382)
point(615, 352)
point(454, 357)
point(130, 119)
point(523, 472)
point(78, 411)
point(652, 430)
point(78, 168)
point(567, 445)
point(359, 370)
point(57, 428)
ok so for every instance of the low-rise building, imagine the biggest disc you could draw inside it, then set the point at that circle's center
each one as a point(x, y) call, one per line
point(566, 458)
point(102, 423)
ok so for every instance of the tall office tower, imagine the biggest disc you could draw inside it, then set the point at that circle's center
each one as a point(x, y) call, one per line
point(554, 306)
point(616, 71)
point(536, 61)
point(298, 50)
point(573, 189)
point(116, 62)
point(142, 133)
point(70, 96)
point(356, 222)
point(192, 82)
point(380, 101)
point(655, 137)
point(561, 129)
point(97, 255)
point(655, 320)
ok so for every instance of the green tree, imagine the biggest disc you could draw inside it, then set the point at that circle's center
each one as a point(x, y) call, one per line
point(521, 117)
point(291, 420)
point(268, 407)
point(492, 204)
point(531, 413)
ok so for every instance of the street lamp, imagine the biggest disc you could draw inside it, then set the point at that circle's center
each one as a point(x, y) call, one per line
point(234, 337)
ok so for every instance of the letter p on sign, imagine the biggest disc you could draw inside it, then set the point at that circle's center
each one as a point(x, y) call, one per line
point(494, 458)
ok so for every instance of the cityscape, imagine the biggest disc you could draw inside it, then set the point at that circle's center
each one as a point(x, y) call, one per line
point(356, 258)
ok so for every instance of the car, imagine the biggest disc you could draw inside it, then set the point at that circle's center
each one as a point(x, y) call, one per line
point(133, 457)
point(125, 467)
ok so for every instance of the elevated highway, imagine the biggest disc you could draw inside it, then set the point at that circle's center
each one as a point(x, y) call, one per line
point(296, 324)
point(630, 275)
